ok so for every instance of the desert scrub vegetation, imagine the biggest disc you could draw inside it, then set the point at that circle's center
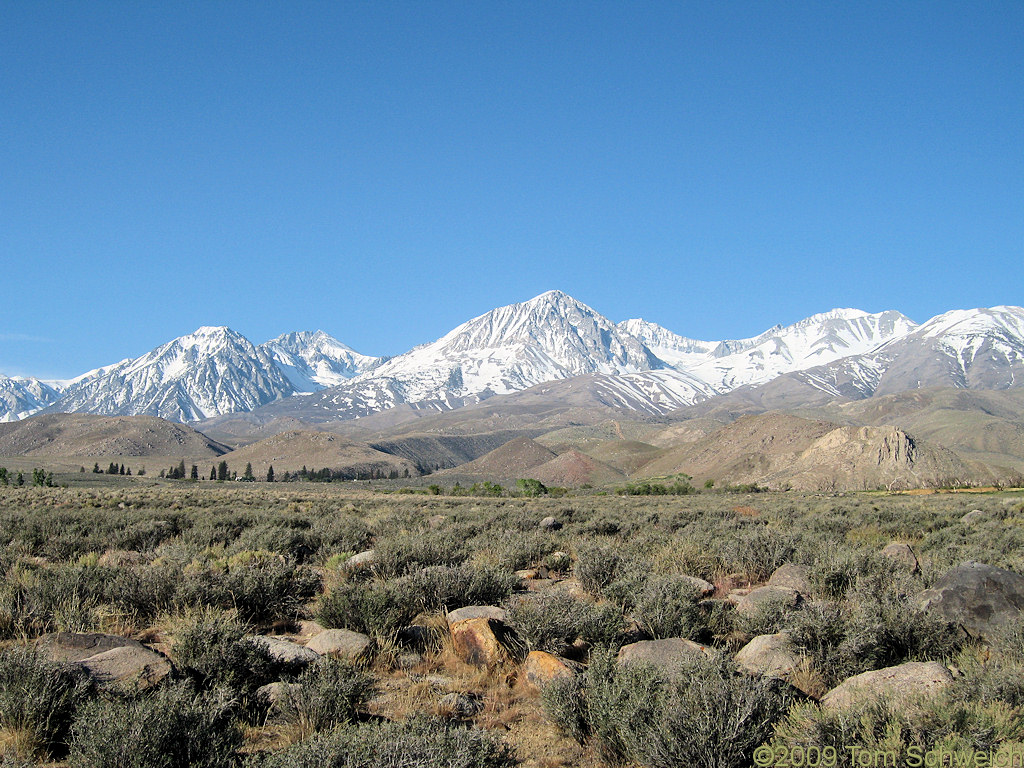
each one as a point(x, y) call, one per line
point(195, 571)
point(174, 728)
point(421, 742)
point(39, 700)
point(704, 714)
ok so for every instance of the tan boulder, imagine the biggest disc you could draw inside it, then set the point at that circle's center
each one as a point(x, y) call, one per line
point(541, 668)
point(485, 642)
point(914, 678)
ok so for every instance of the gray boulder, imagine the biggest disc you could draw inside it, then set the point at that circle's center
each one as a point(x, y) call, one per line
point(903, 556)
point(75, 646)
point(133, 667)
point(769, 656)
point(981, 598)
point(974, 516)
point(343, 643)
point(361, 560)
point(793, 576)
point(665, 654)
point(914, 678)
point(285, 651)
point(476, 612)
point(550, 524)
point(783, 597)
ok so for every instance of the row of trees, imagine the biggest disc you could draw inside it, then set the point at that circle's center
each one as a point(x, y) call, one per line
point(40, 478)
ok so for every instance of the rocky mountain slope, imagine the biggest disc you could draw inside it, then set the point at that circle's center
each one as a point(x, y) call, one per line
point(209, 372)
point(314, 361)
point(21, 397)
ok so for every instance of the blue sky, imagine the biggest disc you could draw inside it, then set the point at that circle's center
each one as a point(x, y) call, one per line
point(386, 170)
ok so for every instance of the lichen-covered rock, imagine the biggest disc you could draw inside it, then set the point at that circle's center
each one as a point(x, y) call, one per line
point(781, 596)
point(476, 612)
point(980, 598)
point(343, 643)
point(792, 576)
point(361, 560)
point(75, 646)
point(974, 516)
point(285, 651)
point(914, 678)
point(701, 587)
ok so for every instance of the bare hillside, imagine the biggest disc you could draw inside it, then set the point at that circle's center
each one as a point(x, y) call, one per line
point(290, 451)
point(79, 434)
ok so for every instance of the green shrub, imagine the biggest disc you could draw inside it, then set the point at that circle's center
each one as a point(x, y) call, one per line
point(909, 732)
point(597, 566)
point(552, 621)
point(175, 728)
point(669, 606)
point(214, 651)
point(39, 698)
point(332, 692)
point(261, 589)
point(878, 625)
point(411, 552)
point(707, 715)
point(378, 608)
point(452, 587)
point(418, 742)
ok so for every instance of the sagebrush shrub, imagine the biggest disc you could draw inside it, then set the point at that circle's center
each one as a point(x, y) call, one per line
point(332, 690)
point(552, 621)
point(177, 727)
point(419, 742)
point(39, 698)
point(214, 651)
point(706, 715)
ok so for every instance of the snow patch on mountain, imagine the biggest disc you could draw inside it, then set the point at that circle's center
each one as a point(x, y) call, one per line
point(315, 360)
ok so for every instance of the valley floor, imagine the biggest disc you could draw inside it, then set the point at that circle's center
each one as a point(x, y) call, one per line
point(307, 624)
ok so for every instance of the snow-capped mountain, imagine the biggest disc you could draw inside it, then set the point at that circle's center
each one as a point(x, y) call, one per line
point(21, 397)
point(635, 365)
point(315, 360)
point(207, 373)
point(550, 337)
point(814, 341)
point(967, 349)
point(678, 351)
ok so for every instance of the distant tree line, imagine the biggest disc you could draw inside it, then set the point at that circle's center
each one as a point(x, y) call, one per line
point(40, 478)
